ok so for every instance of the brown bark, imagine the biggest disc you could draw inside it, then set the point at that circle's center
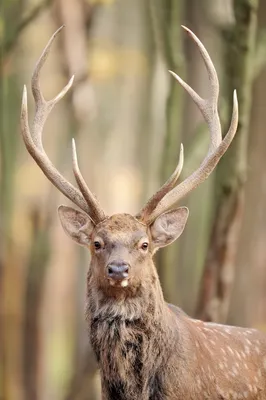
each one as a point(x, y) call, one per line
point(167, 21)
point(37, 267)
point(219, 269)
point(249, 295)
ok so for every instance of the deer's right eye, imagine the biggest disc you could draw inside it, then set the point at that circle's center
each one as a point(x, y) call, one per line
point(97, 245)
point(145, 246)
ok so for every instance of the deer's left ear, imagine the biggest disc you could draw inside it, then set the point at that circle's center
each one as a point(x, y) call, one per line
point(168, 226)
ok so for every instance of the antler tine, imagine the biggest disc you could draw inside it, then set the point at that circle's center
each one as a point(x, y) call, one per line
point(169, 185)
point(33, 140)
point(202, 173)
point(209, 110)
point(96, 212)
point(208, 107)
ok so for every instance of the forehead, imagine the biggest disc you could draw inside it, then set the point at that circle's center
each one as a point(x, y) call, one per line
point(121, 227)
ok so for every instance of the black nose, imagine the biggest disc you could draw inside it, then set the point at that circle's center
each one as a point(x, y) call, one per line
point(117, 270)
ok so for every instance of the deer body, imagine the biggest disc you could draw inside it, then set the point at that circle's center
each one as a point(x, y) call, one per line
point(146, 348)
point(149, 350)
point(140, 360)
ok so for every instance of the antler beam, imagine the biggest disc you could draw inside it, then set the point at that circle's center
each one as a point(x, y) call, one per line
point(83, 198)
point(217, 148)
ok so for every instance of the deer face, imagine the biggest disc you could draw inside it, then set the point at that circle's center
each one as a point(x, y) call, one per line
point(121, 246)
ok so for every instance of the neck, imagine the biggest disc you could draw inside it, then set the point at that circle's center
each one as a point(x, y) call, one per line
point(131, 303)
point(131, 336)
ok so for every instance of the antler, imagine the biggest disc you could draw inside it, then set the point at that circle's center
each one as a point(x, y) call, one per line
point(33, 141)
point(167, 186)
point(168, 196)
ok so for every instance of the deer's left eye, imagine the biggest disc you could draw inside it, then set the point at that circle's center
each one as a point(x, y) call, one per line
point(97, 245)
point(145, 246)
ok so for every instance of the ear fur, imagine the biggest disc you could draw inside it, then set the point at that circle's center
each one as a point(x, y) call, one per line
point(168, 226)
point(76, 224)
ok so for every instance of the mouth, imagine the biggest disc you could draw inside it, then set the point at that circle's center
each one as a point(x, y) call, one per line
point(118, 283)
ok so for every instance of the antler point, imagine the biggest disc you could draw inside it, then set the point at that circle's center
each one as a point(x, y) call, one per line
point(24, 95)
point(235, 99)
point(59, 30)
point(186, 29)
point(177, 77)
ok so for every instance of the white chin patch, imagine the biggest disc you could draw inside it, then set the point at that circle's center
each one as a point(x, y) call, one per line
point(124, 283)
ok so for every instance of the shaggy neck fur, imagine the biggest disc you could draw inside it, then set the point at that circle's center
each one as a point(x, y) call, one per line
point(132, 338)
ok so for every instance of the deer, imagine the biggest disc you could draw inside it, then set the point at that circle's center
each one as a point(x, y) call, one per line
point(146, 348)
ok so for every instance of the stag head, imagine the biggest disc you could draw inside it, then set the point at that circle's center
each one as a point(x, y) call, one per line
point(122, 245)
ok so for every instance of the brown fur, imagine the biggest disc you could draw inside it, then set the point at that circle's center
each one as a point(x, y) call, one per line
point(149, 350)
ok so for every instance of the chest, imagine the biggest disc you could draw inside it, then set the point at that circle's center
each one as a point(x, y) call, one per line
point(130, 358)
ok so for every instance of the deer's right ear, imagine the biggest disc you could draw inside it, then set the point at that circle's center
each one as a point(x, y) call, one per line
point(76, 224)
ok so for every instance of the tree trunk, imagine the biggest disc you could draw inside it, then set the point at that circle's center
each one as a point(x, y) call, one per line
point(249, 295)
point(167, 21)
point(219, 269)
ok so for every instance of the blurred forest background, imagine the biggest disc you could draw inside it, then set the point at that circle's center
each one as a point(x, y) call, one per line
point(128, 116)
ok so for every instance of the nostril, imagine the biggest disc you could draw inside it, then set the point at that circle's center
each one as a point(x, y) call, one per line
point(117, 271)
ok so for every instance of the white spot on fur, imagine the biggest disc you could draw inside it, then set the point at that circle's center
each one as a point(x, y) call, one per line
point(230, 350)
point(247, 349)
point(198, 382)
point(235, 371)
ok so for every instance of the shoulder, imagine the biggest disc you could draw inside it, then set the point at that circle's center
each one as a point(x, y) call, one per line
point(176, 310)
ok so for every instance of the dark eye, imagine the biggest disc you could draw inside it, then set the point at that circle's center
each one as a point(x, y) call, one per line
point(97, 245)
point(145, 246)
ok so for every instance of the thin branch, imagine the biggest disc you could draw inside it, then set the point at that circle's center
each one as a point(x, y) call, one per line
point(159, 25)
point(9, 45)
point(260, 55)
